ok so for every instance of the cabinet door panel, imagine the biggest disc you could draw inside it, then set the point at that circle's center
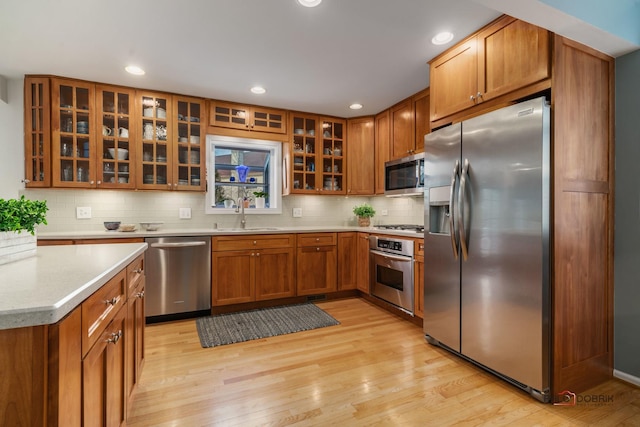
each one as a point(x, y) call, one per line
point(347, 260)
point(268, 120)
point(274, 273)
point(512, 55)
point(37, 132)
point(316, 272)
point(383, 138)
point(402, 129)
point(233, 278)
point(363, 262)
point(360, 156)
point(454, 79)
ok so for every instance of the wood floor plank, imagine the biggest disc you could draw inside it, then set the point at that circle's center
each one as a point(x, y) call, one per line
point(374, 369)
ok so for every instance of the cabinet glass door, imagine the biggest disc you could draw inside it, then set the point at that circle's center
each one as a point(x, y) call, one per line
point(37, 135)
point(333, 150)
point(73, 134)
point(189, 162)
point(155, 133)
point(115, 152)
point(304, 154)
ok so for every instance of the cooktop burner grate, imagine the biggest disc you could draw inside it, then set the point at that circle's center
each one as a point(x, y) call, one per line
point(409, 227)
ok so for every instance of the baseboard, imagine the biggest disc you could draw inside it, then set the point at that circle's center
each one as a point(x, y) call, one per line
point(626, 377)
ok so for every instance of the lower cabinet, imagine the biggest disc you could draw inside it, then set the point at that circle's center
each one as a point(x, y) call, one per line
point(252, 268)
point(74, 372)
point(363, 262)
point(418, 274)
point(347, 260)
point(317, 258)
point(103, 377)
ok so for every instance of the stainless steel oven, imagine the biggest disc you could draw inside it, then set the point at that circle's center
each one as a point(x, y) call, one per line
point(391, 263)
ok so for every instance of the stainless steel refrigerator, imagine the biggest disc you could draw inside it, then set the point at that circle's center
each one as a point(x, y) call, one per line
point(486, 280)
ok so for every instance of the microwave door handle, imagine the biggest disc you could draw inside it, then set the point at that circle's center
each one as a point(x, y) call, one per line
point(452, 211)
point(464, 228)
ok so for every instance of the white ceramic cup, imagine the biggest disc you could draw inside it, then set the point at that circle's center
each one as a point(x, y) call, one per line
point(194, 139)
point(106, 131)
point(124, 132)
point(148, 131)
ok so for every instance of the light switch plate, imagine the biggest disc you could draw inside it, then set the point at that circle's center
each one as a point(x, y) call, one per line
point(297, 212)
point(83, 212)
point(185, 213)
point(385, 212)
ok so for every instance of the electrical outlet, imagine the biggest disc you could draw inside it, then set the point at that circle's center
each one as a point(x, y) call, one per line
point(384, 212)
point(185, 213)
point(83, 212)
point(297, 212)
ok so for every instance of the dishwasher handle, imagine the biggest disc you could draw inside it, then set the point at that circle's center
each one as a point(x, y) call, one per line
point(177, 245)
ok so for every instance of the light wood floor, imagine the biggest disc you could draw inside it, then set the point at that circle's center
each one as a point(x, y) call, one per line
point(372, 369)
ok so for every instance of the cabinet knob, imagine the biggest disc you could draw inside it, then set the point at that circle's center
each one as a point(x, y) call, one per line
point(252, 254)
point(169, 185)
point(112, 301)
point(91, 182)
point(317, 249)
point(26, 181)
point(140, 294)
point(258, 254)
point(115, 337)
point(317, 239)
point(99, 182)
point(472, 98)
point(479, 95)
point(138, 271)
point(255, 243)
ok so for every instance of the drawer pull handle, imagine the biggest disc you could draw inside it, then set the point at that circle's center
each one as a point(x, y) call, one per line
point(140, 294)
point(112, 301)
point(115, 337)
point(138, 271)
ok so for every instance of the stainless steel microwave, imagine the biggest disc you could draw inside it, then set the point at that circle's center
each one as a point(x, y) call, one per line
point(405, 176)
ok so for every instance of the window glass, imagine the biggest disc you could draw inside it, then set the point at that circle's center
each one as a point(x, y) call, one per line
point(243, 171)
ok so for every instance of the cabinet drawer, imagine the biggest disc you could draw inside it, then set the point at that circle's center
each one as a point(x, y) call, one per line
point(316, 239)
point(100, 308)
point(262, 241)
point(135, 274)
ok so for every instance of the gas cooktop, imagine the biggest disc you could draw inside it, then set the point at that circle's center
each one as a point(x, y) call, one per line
point(407, 227)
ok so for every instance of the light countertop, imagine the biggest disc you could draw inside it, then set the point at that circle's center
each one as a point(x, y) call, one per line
point(44, 288)
point(162, 232)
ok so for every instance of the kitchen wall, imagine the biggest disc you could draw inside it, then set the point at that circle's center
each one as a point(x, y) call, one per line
point(134, 207)
point(11, 140)
point(627, 219)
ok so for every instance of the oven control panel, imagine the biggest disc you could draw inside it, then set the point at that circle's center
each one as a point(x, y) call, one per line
point(390, 244)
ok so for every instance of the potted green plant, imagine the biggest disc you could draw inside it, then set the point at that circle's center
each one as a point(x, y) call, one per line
point(18, 221)
point(364, 213)
point(260, 197)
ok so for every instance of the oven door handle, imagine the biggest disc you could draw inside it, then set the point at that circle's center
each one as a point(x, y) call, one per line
point(390, 256)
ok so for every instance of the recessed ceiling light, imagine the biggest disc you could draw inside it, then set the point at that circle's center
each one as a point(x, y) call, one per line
point(355, 106)
point(309, 3)
point(259, 90)
point(134, 69)
point(442, 38)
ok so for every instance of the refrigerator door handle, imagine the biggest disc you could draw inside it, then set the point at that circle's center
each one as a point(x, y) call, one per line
point(452, 210)
point(464, 235)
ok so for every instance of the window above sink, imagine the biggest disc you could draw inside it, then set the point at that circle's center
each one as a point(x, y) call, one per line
point(239, 169)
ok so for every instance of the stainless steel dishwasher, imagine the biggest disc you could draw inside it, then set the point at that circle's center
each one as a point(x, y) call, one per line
point(178, 282)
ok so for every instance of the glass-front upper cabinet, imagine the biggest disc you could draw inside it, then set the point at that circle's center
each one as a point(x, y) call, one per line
point(73, 135)
point(37, 132)
point(318, 150)
point(189, 140)
point(155, 133)
point(116, 153)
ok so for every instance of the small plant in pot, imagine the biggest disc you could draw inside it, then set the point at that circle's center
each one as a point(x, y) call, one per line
point(16, 216)
point(260, 197)
point(364, 213)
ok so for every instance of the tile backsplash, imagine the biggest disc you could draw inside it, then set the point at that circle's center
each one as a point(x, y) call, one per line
point(134, 207)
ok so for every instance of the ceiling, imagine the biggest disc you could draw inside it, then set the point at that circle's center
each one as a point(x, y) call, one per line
point(319, 60)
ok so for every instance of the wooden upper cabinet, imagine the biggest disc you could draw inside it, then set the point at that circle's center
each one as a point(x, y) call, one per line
point(247, 117)
point(511, 54)
point(37, 132)
point(504, 56)
point(360, 156)
point(421, 102)
point(454, 80)
point(402, 129)
point(382, 148)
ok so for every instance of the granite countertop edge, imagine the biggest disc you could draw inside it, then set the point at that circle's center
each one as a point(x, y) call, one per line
point(40, 291)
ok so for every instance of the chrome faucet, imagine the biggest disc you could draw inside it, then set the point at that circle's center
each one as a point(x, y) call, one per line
point(240, 209)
